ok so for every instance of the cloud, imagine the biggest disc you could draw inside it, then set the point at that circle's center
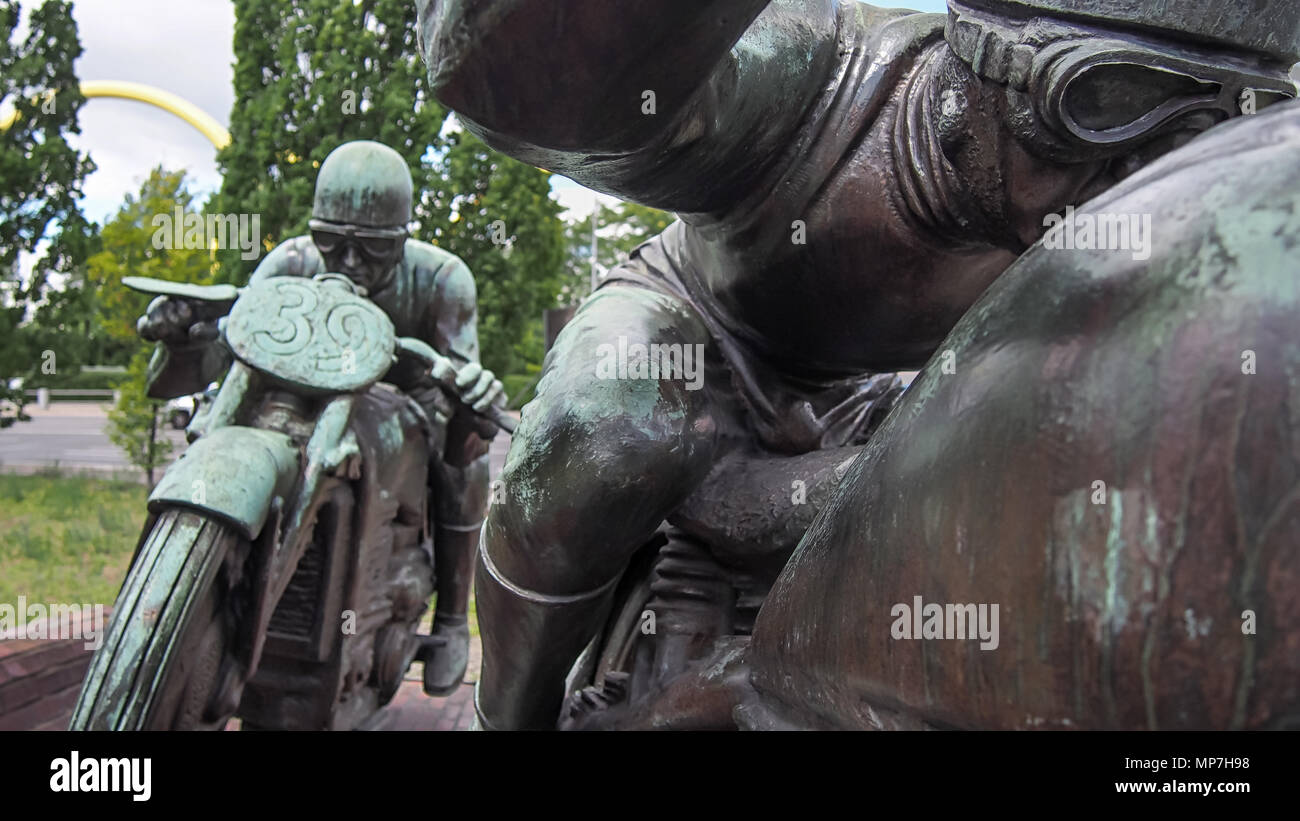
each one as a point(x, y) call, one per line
point(181, 47)
point(579, 201)
point(185, 48)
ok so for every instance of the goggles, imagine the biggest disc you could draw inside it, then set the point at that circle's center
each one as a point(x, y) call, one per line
point(1114, 93)
point(1095, 90)
point(375, 244)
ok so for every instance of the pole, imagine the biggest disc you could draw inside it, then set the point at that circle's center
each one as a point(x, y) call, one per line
point(594, 264)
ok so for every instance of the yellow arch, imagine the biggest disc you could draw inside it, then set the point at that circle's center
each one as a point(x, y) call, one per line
point(187, 111)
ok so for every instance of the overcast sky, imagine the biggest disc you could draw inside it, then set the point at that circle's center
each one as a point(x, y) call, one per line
point(181, 46)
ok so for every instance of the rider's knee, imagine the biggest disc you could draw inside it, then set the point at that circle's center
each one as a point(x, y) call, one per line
point(568, 509)
point(603, 407)
point(600, 459)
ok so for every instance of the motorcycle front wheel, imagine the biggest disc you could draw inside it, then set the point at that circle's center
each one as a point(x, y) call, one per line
point(166, 661)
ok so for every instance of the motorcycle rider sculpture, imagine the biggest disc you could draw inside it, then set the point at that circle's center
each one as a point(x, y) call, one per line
point(848, 179)
point(359, 229)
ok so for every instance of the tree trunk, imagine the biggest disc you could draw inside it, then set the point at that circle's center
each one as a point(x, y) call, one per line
point(149, 452)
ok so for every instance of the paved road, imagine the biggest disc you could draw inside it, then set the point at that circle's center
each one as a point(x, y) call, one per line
point(68, 435)
point(71, 435)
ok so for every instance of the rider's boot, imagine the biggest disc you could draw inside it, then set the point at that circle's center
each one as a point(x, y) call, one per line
point(454, 547)
point(530, 640)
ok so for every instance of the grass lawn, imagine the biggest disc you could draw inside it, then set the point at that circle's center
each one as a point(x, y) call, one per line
point(70, 539)
point(67, 539)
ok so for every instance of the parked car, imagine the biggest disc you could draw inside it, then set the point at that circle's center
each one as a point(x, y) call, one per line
point(179, 411)
point(11, 401)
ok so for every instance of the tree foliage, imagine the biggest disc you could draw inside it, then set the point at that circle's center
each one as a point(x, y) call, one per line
point(619, 230)
point(129, 250)
point(134, 422)
point(309, 76)
point(498, 215)
point(41, 176)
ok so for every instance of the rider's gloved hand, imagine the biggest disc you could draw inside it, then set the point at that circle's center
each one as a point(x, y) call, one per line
point(479, 388)
point(436, 403)
point(176, 322)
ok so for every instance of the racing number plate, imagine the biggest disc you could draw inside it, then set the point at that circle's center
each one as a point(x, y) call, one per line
point(311, 335)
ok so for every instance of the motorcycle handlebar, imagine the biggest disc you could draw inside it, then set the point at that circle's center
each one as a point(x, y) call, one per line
point(225, 295)
point(444, 371)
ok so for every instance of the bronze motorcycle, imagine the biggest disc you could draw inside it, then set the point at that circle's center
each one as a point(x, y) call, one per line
point(286, 561)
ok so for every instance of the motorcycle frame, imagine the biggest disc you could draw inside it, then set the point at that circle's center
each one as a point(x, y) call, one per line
point(331, 457)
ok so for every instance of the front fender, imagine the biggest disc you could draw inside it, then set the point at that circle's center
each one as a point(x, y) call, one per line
point(232, 473)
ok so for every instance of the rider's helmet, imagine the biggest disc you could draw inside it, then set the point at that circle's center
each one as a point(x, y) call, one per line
point(1097, 78)
point(361, 211)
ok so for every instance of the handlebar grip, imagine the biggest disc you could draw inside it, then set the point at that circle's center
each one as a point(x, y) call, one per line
point(445, 372)
point(501, 419)
point(220, 294)
point(442, 369)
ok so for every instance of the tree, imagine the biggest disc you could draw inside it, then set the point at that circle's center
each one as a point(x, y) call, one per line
point(12, 396)
point(309, 76)
point(130, 248)
point(134, 420)
point(64, 332)
point(40, 173)
point(619, 230)
point(41, 176)
point(312, 74)
point(498, 215)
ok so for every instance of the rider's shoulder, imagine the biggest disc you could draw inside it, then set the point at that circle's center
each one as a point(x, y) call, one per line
point(423, 255)
point(295, 257)
point(872, 23)
point(440, 268)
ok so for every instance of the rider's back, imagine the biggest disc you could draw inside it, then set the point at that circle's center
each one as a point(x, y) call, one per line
point(802, 244)
point(1114, 465)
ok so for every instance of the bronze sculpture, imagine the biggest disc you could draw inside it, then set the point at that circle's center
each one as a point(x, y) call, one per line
point(1115, 462)
point(850, 180)
point(285, 565)
point(359, 218)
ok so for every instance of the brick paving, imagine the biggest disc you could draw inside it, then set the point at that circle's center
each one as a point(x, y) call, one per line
point(411, 709)
point(40, 680)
